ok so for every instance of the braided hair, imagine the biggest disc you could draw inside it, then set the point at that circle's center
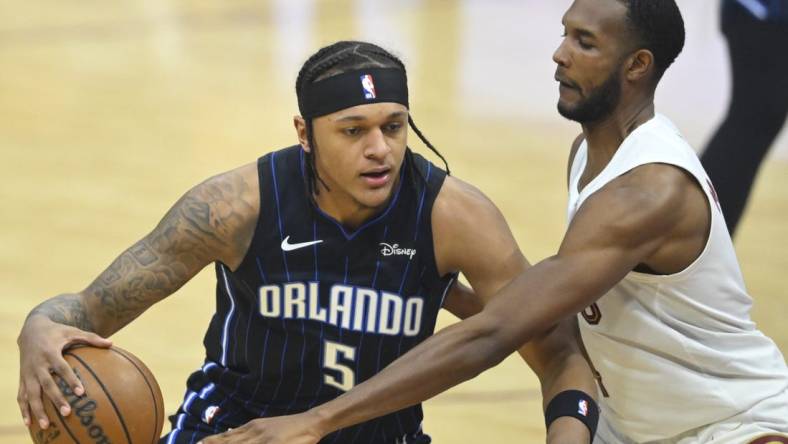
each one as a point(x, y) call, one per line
point(339, 58)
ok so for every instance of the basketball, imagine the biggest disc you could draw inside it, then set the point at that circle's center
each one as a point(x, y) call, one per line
point(122, 401)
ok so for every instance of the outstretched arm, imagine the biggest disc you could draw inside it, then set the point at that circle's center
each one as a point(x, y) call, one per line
point(555, 357)
point(490, 259)
point(214, 221)
point(619, 227)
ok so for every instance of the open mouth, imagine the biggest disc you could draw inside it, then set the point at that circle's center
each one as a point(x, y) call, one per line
point(564, 82)
point(377, 177)
point(377, 174)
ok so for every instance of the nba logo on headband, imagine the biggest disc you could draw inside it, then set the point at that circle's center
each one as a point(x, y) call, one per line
point(369, 86)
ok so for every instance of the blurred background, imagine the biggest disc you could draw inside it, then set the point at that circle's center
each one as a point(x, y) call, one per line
point(109, 111)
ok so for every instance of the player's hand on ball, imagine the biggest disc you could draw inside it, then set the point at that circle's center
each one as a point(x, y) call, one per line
point(41, 344)
point(294, 429)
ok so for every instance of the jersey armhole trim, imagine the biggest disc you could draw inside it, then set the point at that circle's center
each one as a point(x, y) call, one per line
point(713, 221)
point(258, 222)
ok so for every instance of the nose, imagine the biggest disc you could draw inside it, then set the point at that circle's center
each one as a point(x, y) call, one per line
point(376, 146)
point(561, 56)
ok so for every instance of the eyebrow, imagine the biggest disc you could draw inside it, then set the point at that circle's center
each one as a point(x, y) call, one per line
point(582, 31)
point(586, 33)
point(356, 118)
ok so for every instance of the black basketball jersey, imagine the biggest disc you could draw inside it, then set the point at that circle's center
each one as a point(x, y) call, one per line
point(315, 309)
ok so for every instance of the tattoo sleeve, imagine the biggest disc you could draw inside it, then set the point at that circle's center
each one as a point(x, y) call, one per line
point(212, 221)
point(66, 309)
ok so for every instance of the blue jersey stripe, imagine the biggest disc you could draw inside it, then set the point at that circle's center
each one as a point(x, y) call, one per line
point(229, 317)
point(314, 249)
point(301, 376)
point(279, 213)
point(756, 8)
point(766, 10)
point(421, 204)
point(265, 343)
point(281, 371)
point(446, 290)
point(319, 370)
point(415, 237)
point(287, 273)
point(178, 427)
point(344, 281)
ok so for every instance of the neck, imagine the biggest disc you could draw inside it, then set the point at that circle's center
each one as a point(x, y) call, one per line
point(605, 136)
point(345, 209)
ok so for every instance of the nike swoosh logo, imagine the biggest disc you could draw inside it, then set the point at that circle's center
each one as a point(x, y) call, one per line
point(287, 246)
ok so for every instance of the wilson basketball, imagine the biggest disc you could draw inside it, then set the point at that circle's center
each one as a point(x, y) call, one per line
point(122, 401)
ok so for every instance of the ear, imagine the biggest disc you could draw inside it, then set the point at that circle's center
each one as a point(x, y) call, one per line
point(300, 125)
point(641, 65)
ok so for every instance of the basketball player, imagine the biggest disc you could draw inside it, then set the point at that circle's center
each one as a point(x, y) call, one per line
point(332, 258)
point(756, 31)
point(647, 259)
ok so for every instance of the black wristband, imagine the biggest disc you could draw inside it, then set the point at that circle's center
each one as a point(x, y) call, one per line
point(576, 404)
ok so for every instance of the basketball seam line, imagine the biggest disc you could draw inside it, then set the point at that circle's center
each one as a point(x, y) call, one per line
point(153, 395)
point(65, 426)
point(109, 396)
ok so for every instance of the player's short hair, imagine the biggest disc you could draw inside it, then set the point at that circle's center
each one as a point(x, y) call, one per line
point(338, 58)
point(657, 26)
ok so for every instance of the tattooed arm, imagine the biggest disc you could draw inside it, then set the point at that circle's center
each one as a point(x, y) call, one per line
point(213, 221)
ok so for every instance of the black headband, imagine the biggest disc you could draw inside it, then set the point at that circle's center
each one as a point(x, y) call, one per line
point(360, 87)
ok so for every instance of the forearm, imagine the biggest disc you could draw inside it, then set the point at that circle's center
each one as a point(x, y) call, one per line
point(203, 226)
point(141, 276)
point(67, 309)
point(138, 278)
point(571, 372)
point(558, 361)
point(568, 430)
point(132, 283)
point(444, 360)
point(529, 305)
point(567, 371)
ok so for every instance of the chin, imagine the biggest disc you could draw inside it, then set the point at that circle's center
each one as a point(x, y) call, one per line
point(375, 198)
point(566, 110)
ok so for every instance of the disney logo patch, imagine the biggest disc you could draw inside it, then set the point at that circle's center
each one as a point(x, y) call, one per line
point(395, 250)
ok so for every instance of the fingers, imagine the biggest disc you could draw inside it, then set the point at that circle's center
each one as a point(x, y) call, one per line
point(86, 337)
point(54, 391)
point(57, 380)
point(44, 373)
point(21, 399)
point(61, 368)
point(33, 391)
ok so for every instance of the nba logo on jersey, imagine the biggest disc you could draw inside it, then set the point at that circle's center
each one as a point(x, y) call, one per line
point(368, 86)
point(209, 414)
point(582, 407)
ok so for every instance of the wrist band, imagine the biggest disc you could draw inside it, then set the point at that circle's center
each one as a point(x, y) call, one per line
point(576, 404)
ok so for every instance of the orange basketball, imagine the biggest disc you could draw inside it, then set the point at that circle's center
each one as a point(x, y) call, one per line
point(122, 401)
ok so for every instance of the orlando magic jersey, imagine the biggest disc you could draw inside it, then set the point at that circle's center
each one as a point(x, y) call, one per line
point(315, 308)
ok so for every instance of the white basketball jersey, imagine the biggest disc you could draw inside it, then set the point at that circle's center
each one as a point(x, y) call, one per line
point(675, 352)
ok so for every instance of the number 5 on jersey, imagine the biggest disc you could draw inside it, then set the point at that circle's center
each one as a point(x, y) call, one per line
point(332, 353)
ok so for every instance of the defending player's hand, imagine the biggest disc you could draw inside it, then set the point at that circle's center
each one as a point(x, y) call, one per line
point(293, 429)
point(41, 344)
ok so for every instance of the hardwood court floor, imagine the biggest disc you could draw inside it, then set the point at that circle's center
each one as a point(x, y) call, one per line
point(109, 111)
